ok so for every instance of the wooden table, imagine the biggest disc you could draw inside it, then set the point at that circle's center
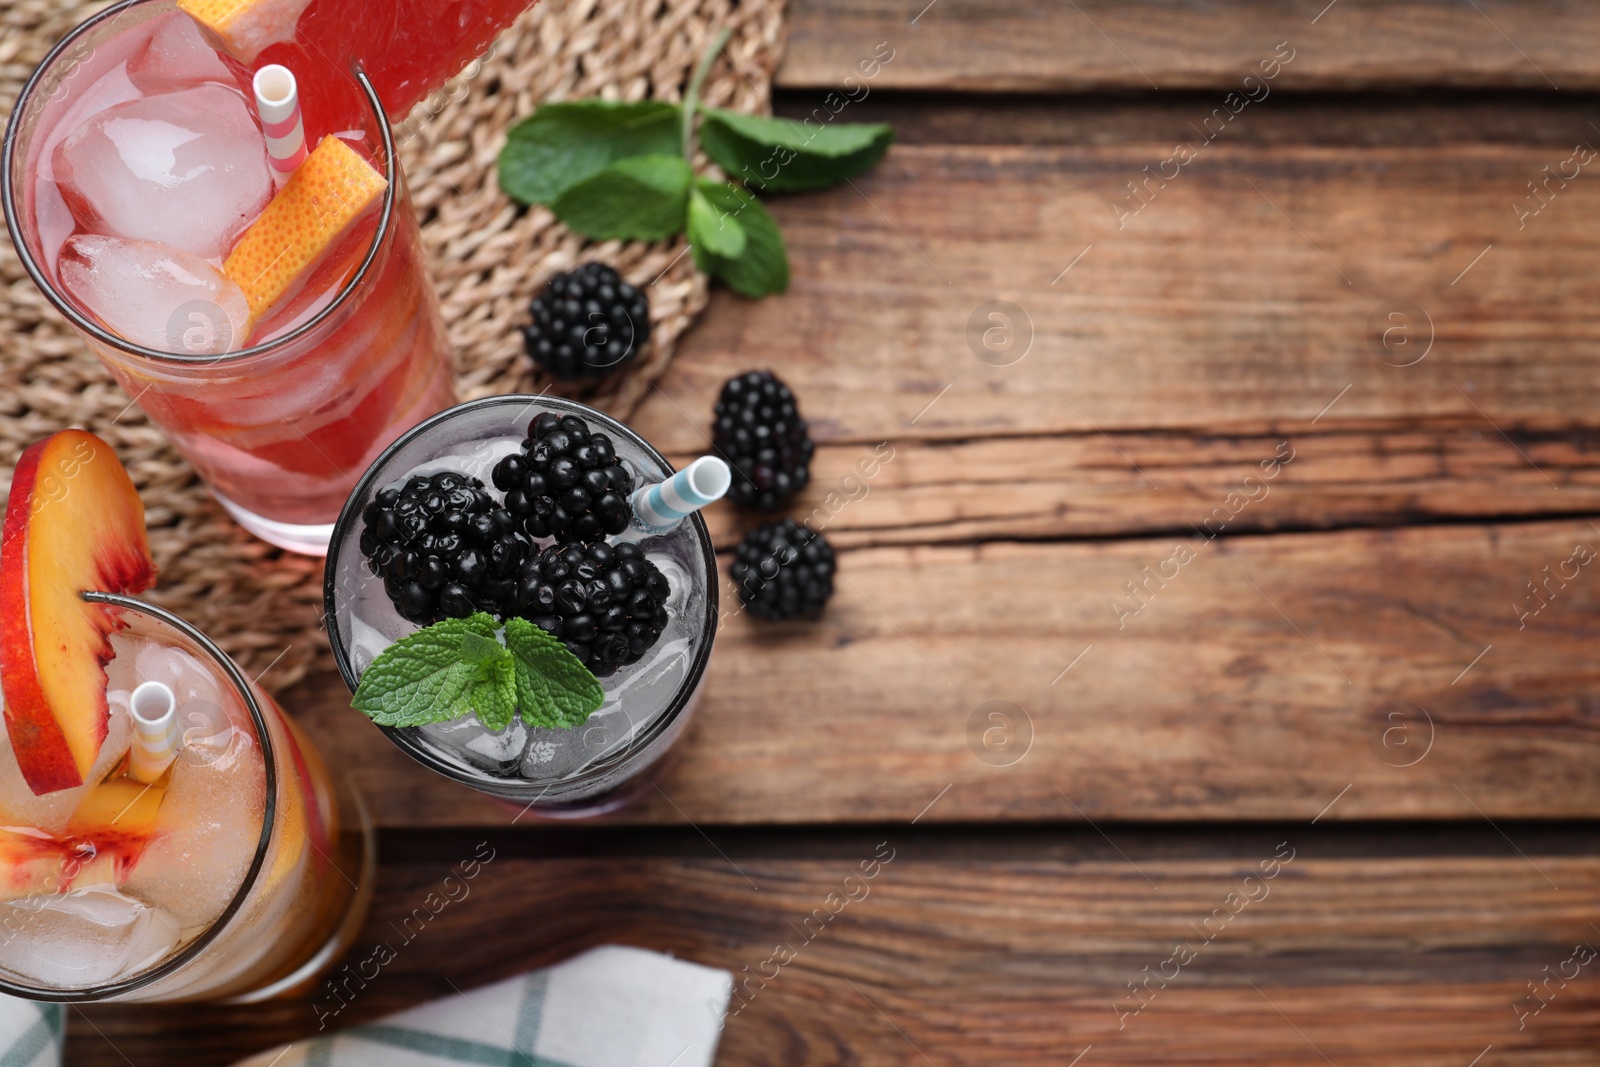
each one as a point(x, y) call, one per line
point(1323, 392)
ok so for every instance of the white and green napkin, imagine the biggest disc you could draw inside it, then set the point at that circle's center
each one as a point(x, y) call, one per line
point(610, 1007)
point(30, 1033)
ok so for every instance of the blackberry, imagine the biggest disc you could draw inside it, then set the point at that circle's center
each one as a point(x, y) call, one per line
point(443, 548)
point(758, 429)
point(606, 603)
point(587, 323)
point(566, 482)
point(784, 570)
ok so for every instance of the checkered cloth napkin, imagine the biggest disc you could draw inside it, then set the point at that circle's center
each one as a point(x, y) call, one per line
point(610, 1007)
point(30, 1034)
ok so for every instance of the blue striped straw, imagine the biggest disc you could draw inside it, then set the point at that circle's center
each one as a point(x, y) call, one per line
point(661, 506)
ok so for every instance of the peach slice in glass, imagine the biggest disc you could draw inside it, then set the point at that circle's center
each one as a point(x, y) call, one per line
point(74, 522)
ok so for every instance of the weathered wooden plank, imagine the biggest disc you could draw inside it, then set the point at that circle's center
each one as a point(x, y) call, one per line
point(1129, 484)
point(1261, 679)
point(1038, 45)
point(1250, 293)
point(1014, 962)
point(1247, 295)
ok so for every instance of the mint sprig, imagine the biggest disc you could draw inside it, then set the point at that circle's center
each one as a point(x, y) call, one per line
point(620, 170)
point(458, 667)
point(643, 197)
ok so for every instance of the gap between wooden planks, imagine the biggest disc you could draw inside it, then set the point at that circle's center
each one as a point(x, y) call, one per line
point(1366, 961)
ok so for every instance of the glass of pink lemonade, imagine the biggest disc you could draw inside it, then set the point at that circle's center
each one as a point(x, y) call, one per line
point(221, 861)
point(135, 172)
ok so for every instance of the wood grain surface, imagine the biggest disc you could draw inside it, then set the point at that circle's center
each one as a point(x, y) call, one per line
point(1364, 616)
point(1244, 297)
point(1042, 45)
point(1002, 961)
point(1264, 677)
point(990, 516)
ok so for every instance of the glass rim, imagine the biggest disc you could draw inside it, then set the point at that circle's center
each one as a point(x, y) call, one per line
point(191, 951)
point(424, 754)
point(64, 304)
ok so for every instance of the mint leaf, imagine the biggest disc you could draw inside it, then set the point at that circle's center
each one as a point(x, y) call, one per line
point(475, 648)
point(559, 145)
point(785, 155)
point(643, 198)
point(445, 671)
point(763, 266)
point(493, 695)
point(554, 688)
point(715, 231)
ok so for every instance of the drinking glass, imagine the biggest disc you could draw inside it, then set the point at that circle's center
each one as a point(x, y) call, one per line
point(587, 770)
point(279, 430)
point(300, 902)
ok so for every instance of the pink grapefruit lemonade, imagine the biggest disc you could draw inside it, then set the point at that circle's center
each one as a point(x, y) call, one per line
point(282, 332)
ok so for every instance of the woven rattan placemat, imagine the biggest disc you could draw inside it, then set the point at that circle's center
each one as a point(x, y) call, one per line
point(488, 257)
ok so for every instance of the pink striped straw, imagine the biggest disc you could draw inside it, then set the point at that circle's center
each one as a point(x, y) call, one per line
point(278, 103)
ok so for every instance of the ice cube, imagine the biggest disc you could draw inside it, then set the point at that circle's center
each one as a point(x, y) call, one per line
point(87, 937)
point(188, 169)
point(210, 819)
point(156, 295)
point(467, 740)
point(367, 643)
point(178, 57)
point(475, 460)
point(205, 837)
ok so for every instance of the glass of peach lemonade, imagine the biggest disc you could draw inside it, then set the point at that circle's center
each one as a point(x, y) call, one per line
point(505, 617)
point(166, 832)
point(275, 321)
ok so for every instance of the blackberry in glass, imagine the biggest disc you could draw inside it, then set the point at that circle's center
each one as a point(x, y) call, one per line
point(607, 603)
point(565, 482)
point(443, 548)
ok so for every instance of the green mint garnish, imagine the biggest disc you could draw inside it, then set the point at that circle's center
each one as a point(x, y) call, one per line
point(615, 170)
point(554, 688)
point(562, 144)
point(458, 667)
point(642, 198)
point(760, 266)
point(788, 156)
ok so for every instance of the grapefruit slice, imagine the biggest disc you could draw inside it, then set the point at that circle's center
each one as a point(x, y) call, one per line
point(243, 28)
point(407, 47)
point(73, 523)
point(326, 194)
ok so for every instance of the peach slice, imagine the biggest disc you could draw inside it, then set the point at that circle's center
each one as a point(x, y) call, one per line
point(108, 833)
point(73, 523)
point(326, 194)
point(243, 28)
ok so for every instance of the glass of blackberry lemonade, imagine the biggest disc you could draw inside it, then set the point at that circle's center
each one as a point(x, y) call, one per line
point(514, 510)
point(166, 832)
point(271, 315)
